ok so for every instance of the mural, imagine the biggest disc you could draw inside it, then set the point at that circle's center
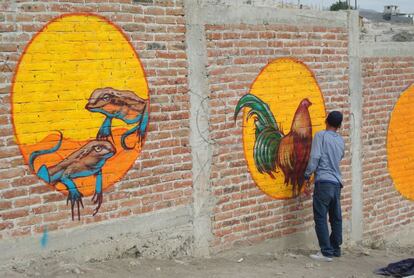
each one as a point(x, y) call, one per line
point(285, 94)
point(400, 144)
point(80, 106)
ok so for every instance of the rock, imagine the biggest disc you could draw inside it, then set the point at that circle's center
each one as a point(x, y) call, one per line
point(180, 262)
point(309, 265)
point(365, 252)
point(18, 269)
point(292, 255)
point(276, 256)
point(132, 252)
point(133, 263)
point(378, 245)
point(76, 270)
point(240, 260)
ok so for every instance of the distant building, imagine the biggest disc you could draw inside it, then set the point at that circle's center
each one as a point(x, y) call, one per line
point(391, 10)
point(391, 14)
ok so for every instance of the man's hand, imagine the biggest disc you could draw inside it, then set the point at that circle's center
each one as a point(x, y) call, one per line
point(308, 189)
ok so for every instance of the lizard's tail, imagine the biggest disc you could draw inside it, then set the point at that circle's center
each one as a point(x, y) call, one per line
point(139, 129)
point(38, 153)
point(143, 124)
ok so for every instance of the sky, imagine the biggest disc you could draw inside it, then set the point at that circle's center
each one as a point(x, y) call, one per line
point(406, 6)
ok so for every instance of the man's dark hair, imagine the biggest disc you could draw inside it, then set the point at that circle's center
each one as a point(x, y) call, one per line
point(334, 119)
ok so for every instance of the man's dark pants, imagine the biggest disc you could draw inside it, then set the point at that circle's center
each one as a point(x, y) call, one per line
point(326, 200)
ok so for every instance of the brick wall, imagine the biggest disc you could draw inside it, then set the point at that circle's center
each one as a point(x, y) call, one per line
point(161, 177)
point(384, 79)
point(236, 55)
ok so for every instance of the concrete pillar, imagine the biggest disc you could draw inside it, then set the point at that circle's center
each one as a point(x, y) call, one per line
point(355, 92)
point(199, 127)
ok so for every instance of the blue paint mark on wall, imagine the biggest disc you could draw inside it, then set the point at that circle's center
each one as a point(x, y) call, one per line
point(45, 237)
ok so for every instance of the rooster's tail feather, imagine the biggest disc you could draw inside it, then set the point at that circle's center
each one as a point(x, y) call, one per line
point(259, 109)
point(268, 135)
point(265, 149)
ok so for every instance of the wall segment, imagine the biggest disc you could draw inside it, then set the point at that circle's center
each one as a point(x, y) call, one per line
point(387, 72)
point(239, 46)
point(160, 179)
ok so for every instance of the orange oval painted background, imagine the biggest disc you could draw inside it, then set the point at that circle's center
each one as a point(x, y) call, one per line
point(400, 144)
point(284, 85)
point(79, 76)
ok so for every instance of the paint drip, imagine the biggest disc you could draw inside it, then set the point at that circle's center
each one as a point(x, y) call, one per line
point(45, 237)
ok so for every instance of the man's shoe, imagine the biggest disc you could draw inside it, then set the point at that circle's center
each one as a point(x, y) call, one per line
point(337, 253)
point(320, 257)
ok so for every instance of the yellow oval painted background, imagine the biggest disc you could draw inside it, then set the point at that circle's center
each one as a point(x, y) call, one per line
point(282, 84)
point(400, 144)
point(64, 63)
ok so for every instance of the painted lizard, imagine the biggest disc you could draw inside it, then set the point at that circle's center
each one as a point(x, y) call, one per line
point(123, 105)
point(84, 162)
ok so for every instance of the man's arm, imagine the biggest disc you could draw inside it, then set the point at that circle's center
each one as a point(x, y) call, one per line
point(315, 155)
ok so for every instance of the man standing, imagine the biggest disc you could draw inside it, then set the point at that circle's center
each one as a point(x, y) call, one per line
point(326, 153)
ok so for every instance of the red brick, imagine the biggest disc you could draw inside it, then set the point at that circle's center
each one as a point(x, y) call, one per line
point(6, 225)
point(43, 209)
point(109, 8)
point(38, 189)
point(154, 11)
point(14, 214)
point(10, 194)
point(33, 7)
point(5, 205)
point(52, 197)
point(27, 202)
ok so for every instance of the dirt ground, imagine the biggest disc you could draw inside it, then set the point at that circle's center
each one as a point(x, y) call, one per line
point(253, 261)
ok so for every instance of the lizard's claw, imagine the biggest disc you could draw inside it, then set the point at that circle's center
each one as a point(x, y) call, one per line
point(109, 138)
point(97, 200)
point(75, 198)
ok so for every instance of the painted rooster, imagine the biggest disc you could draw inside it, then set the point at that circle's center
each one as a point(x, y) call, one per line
point(272, 148)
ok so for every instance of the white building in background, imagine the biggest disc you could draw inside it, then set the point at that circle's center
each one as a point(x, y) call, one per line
point(391, 10)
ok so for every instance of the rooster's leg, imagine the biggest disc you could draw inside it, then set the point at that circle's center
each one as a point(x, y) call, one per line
point(306, 194)
point(294, 193)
